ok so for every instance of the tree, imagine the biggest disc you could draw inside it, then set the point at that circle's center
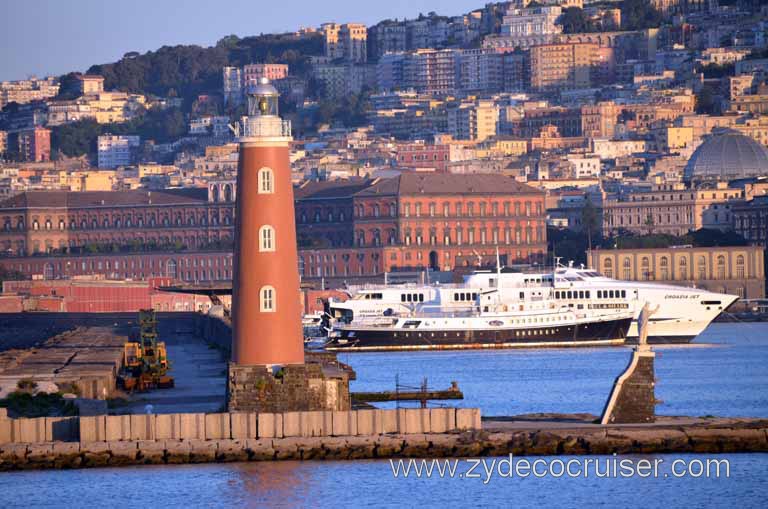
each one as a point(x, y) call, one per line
point(590, 221)
point(69, 86)
point(705, 101)
point(650, 224)
point(639, 15)
point(574, 21)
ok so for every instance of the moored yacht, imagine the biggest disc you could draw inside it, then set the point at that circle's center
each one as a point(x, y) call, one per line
point(533, 318)
point(683, 312)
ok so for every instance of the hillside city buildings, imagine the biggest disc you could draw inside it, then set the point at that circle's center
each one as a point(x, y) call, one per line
point(424, 144)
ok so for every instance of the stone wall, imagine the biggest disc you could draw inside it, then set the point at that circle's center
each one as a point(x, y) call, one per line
point(293, 388)
point(715, 436)
point(633, 397)
point(236, 426)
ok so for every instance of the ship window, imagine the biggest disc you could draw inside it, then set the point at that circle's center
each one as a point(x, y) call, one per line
point(474, 296)
point(623, 294)
point(522, 295)
point(581, 294)
point(570, 295)
point(612, 294)
point(587, 294)
point(402, 297)
point(455, 297)
point(421, 297)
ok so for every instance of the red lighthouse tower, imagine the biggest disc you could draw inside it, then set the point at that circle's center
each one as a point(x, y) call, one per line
point(266, 311)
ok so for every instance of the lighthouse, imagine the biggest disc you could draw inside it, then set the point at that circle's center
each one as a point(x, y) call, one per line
point(266, 312)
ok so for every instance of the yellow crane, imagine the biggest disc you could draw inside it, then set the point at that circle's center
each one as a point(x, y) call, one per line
point(145, 363)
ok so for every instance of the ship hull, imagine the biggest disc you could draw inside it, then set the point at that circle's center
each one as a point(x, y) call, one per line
point(609, 332)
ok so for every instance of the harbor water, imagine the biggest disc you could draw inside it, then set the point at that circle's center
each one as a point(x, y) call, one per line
point(724, 373)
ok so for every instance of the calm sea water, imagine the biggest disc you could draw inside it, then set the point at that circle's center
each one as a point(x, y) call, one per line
point(724, 372)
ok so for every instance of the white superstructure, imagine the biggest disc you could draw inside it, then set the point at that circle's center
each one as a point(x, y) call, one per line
point(683, 313)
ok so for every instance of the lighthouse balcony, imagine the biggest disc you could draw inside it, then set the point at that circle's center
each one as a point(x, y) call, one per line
point(263, 126)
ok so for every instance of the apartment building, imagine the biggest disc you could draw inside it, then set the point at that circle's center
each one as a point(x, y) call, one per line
point(348, 41)
point(114, 151)
point(558, 67)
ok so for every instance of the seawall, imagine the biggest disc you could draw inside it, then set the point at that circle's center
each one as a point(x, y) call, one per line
point(401, 437)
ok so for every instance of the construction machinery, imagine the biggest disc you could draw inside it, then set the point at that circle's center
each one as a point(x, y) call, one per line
point(145, 362)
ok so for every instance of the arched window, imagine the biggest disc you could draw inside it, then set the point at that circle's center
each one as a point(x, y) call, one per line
point(740, 267)
point(664, 262)
point(267, 299)
point(266, 181)
point(266, 239)
point(627, 269)
point(721, 267)
point(608, 268)
point(170, 269)
point(702, 267)
point(645, 269)
point(227, 193)
point(683, 269)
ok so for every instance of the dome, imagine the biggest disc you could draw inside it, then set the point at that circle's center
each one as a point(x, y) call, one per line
point(726, 156)
point(262, 88)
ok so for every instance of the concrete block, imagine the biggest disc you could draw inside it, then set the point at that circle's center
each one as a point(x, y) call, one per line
point(61, 429)
point(344, 423)
point(291, 424)
point(29, 431)
point(365, 420)
point(143, 427)
point(93, 429)
point(270, 425)
point(312, 424)
point(441, 420)
point(192, 427)
point(217, 426)
point(412, 420)
point(202, 451)
point(118, 427)
point(6, 431)
point(389, 421)
point(468, 419)
point(244, 425)
point(167, 426)
point(122, 452)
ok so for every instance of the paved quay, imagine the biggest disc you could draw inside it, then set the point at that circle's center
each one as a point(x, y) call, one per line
point(86, 356)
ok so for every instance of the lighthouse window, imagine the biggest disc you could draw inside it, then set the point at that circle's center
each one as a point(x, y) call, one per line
point(266, 239)
point(266, 181)
point(267, 299)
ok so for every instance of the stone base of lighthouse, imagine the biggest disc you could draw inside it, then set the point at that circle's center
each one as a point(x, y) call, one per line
point(294, 388)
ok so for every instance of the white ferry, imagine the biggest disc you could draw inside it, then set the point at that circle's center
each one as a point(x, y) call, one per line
point(532, 318)
point(683, 313)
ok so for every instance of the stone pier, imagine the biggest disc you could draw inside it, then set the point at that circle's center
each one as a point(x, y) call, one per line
point(633, 398)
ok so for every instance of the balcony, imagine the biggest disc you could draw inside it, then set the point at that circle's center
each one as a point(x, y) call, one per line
point(264, 126)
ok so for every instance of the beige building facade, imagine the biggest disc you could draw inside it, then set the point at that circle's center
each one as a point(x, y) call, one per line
point(671, 209)
point(733, 270)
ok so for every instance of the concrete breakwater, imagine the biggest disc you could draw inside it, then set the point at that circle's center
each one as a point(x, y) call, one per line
point(384, 439)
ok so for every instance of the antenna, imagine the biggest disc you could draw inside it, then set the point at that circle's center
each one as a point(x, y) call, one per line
point(498, 268)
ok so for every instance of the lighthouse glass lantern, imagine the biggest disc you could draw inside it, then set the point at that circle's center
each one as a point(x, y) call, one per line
point(262, 100)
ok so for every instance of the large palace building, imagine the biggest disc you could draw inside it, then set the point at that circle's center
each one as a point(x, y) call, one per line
point(37, 222)
point(345, 228)
point(418, 221)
